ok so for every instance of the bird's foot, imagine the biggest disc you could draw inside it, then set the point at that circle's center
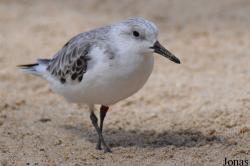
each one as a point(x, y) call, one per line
point(98, 146)
point(107, 150)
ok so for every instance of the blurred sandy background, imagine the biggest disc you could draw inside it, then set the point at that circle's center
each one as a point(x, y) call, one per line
point(196, 113)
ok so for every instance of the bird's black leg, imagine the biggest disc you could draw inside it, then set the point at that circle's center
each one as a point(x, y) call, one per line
point(95, 124)
point(103, 112)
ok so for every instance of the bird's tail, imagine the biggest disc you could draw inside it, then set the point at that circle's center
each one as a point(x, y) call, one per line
point(39, 68)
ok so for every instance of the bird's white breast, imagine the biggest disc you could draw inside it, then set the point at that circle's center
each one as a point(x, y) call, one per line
point(110, 79)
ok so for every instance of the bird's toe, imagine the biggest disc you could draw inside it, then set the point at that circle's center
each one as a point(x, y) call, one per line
point(107, 150)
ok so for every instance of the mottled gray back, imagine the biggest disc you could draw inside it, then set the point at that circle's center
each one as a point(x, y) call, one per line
point(71, 62)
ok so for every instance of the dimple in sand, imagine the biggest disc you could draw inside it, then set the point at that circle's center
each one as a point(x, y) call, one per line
point(103, 66)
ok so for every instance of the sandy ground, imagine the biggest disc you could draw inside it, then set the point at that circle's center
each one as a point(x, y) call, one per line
point(196, 113)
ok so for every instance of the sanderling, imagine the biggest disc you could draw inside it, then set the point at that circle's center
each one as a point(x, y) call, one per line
point(103, 66)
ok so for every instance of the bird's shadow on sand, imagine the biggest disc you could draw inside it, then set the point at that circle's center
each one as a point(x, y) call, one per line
point(148, 138)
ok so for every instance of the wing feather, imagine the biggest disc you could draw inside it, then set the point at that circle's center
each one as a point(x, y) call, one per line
point(70, 63)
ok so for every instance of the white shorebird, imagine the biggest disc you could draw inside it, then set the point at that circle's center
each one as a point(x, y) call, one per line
point(103, 66)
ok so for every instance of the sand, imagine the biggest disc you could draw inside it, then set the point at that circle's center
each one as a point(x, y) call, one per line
point(196, 113)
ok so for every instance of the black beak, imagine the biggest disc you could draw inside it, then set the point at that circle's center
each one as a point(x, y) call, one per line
point(159, 49)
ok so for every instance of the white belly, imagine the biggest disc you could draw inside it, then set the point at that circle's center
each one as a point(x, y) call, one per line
point(108, 83)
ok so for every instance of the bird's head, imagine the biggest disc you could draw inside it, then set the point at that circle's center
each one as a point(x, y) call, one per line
point(141, 36)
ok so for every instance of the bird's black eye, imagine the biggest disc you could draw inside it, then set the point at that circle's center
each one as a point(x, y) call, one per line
point(136, 33)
